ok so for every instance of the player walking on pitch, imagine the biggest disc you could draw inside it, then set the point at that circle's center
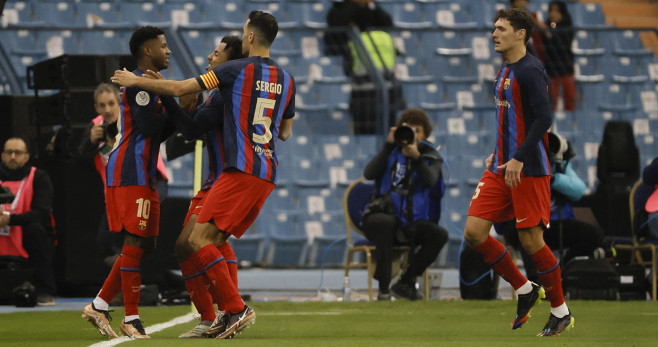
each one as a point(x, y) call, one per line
point(516, 183)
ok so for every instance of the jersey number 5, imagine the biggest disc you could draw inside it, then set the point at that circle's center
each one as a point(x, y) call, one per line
point(143, 208)
point(259, 118)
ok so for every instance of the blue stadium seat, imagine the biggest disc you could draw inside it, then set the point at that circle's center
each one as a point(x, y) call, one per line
point(56, 14)
point(329, 243)
point(412, 15)
point(104, 42)
point(288, 243)
point(103, 13)
point(589, 91)
point(135, 12)
point(250, 247)
point(589, 14)
point(314, 13)
point(18, 12)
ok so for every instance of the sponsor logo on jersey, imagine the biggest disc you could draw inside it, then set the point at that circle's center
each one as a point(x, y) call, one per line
point(503, 103)
point(260, 150)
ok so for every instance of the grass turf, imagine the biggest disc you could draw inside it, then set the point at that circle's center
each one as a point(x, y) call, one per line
point(400, 323)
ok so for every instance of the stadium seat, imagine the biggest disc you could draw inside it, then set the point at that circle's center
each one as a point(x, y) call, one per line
point(56, 14)
point(104, 42)
point(411, 15)
point(288, 243)
point(249, 247)
point(99, 13)
point(643, 252)
point(329, 246)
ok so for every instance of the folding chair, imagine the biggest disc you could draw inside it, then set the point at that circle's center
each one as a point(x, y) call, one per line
point(356, 196)
point(639, 248)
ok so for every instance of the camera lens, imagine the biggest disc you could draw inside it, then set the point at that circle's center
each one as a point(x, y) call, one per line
point(404, 135)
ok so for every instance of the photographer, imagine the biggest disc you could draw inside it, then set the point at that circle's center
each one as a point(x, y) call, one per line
point(580, 238)
point(402, 211)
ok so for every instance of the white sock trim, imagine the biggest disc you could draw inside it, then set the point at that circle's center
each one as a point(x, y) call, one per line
point(525, 288)
point(560, 311)
point(130, 318)
point(100, 304)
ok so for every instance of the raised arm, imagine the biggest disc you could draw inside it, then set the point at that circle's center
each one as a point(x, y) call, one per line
point(158, 86)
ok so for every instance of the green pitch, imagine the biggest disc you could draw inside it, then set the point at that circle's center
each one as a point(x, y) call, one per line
point(400, 323)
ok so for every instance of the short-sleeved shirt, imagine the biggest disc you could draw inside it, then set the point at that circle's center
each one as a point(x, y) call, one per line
point(522, 96)
point(258, 95)
point(143, 124)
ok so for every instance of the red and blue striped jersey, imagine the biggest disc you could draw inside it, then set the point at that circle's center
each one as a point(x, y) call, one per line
point(258, 95)
point(143, 124)
point(213, 109)
point(523, 115)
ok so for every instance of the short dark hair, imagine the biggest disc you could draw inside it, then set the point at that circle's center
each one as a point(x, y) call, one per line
point(142, 35)
point(233, 43)
point(265, 26)
point(416, 116)
point(27, 146)
point(519, 19)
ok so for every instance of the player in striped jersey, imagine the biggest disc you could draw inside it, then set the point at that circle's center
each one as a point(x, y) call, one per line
point(516, 183)
point(208, 120)
point(132, 202)
point(259, 100)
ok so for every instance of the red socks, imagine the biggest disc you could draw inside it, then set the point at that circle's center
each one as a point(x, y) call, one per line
point(112, 283)
point(550, 275)
point(496, 255)
point(195, 283)
point(216, 268)
point(231, 261)
point(131, 279)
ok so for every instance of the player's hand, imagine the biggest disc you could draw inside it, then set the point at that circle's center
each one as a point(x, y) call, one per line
point(489, 161)
point(97, 132)
point(391, 137)
point(188, 102)
point(124, 78)
point(4, 220)
point(411, 150)
point(153, 75)
point(513, 172)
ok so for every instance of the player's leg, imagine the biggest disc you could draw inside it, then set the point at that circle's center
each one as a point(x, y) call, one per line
point(195, 279)
point(141, 221)
point(548, 270)
point(97, 312)
point(492, 202)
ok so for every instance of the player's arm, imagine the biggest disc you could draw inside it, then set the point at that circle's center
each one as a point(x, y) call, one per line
point(535, 84)
point(285, 129)
point(158, 86)
point(191, 128)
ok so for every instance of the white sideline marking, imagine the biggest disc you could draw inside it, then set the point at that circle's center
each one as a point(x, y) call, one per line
point(300, 314)
point(150, 330)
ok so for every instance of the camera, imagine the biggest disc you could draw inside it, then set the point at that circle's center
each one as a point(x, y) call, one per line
point(404, 135)
point(110, 130)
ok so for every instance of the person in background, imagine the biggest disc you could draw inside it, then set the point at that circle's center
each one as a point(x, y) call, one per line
point(406, 171)
point(26, 225)
point(559, 59)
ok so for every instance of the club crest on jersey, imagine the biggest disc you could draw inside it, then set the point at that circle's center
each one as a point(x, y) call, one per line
point(142, 224)
point(142, 98)
point(507, 83)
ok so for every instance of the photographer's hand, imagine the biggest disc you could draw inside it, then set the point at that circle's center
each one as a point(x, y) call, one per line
point(391, 136)
point(97, 133)
point(411, 150)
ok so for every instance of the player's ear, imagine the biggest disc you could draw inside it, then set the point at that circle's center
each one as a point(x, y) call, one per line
point(521, 34)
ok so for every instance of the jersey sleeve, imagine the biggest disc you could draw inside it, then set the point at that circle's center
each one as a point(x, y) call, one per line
point(289, 112)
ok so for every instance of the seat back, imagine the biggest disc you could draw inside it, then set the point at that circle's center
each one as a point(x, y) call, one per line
point(356, 197)
point(637, 198)
point(618, 157)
